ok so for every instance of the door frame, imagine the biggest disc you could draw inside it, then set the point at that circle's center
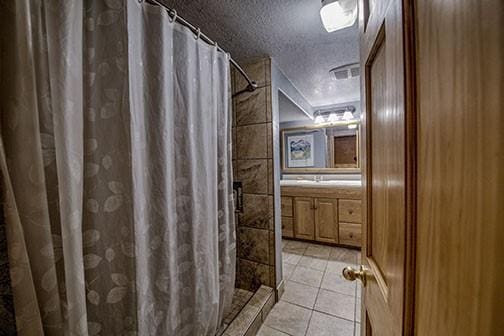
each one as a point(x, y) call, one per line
point(410, 106)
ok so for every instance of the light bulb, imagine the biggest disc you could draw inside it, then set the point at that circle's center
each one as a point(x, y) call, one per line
point(348, 115)
point(333, 117)
point(319, 119)
point(338, 14)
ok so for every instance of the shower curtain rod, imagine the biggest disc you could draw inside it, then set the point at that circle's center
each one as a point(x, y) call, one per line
point(252, 85)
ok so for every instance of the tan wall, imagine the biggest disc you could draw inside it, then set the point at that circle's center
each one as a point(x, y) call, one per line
point(253, 166)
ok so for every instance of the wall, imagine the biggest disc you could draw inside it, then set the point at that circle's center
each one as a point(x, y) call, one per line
point(253, 166)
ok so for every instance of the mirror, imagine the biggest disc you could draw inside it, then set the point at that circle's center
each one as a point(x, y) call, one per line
point(321, 148)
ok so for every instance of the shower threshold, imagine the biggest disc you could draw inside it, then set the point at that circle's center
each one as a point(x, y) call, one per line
point(248, 312)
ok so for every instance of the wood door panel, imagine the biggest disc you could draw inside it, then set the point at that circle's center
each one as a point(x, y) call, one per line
point(304, 221)
point(326, 220)
point(460, 246)
point(384, 143)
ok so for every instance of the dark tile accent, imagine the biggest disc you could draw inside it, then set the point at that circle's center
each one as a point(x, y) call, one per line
point(251, 274)
point(269, 140)
point(7, 318)
point(271, 248)
point(270, 177)
point(272, 277)
point(260, 72)
point(234, 143)
point(254, 175)
point(252, 141)
point(253, 244)
point(257, 211)
point(269, 106)
point(251, 107)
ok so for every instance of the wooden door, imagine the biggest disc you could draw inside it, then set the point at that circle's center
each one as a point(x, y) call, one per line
point(304, 225)
point(326, 220)
point(460, 225)
point(387, 161)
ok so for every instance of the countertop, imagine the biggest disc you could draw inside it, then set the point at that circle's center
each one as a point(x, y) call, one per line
point(320, 184)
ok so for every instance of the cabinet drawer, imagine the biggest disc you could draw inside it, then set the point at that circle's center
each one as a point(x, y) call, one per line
point(350, 211)
point(287, 206)
point(350, 234)
point(287, 227)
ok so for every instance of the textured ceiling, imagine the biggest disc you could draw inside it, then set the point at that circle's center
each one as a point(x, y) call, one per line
point(290, 31)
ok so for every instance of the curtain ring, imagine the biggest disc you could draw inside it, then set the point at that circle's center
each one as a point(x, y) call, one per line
point(198, 34)
point(174, 13)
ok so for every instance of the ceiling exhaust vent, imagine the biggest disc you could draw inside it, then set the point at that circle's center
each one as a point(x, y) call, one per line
point(346, 71)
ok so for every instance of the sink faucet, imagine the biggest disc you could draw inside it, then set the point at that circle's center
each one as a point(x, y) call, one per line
point(318, 178)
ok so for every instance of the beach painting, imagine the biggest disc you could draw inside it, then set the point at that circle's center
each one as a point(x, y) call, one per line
point(300, 150)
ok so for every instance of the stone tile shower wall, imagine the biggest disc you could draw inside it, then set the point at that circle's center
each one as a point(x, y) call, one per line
point(253, 166)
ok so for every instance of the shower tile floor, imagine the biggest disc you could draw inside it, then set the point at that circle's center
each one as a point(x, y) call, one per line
point(317, 300)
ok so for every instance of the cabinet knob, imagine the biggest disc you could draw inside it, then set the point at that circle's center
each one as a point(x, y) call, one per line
point(350, 212)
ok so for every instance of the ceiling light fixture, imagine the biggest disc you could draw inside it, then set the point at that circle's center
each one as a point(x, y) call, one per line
point(338, 14)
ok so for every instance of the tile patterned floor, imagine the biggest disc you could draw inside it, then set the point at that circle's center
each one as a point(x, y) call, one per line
point(317, 300)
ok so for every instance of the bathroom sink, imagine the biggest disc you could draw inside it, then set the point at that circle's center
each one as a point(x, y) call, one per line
point(321, 184)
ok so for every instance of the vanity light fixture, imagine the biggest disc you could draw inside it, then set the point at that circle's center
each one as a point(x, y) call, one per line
point(348, 115)
point(319, 119)
point(338, 14)
point(332, 117)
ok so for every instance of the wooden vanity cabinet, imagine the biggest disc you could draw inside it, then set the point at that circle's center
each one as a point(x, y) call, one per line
point(304, 221)
point(326, 220)
point(323, 215)
point(287, 217)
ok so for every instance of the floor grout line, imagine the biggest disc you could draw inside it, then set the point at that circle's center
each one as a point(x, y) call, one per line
point(357, 302)
point(329, 290)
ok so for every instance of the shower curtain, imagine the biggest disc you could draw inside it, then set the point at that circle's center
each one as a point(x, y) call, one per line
point(115, 154)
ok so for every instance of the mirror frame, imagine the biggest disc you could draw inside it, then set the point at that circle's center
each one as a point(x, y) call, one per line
point(285, 170)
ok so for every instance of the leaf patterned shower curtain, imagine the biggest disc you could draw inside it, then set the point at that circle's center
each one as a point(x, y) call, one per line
point(115, 154)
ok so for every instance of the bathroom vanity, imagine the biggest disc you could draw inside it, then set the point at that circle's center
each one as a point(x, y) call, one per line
point(320, 187)
point(325, 211)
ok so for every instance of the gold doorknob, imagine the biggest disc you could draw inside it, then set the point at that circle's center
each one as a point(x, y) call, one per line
point(351, 274)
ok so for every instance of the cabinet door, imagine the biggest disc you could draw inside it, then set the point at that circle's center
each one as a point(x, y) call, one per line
point(304, 226)
point(287, 227)
point(326, 220)
point(286, 206)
